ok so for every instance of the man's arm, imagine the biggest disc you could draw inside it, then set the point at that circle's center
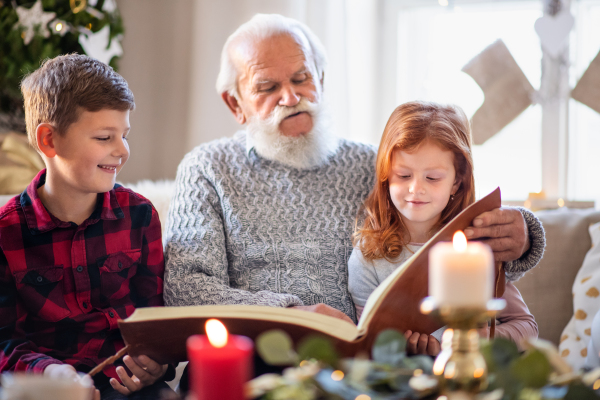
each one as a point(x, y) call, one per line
point(196, 254)
point(515, 235)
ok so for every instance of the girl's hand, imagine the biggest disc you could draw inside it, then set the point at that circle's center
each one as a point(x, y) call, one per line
point(145, 372)
point(420, 343)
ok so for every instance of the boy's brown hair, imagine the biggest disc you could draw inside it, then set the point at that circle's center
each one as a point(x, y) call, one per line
point(63, 86)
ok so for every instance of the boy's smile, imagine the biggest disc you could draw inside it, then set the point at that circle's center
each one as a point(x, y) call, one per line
point(421, 183)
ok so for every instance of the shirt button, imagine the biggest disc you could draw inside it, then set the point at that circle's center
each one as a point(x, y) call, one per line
point(120, 265)
point(111, 314)
point(40, 279)
point(84, 304)
point(79, 268)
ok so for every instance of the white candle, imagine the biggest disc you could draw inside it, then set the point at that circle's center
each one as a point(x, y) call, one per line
point(461, 273)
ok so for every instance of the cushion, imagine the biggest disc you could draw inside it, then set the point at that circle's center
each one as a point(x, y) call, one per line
point(586, 292)
point(547, 288)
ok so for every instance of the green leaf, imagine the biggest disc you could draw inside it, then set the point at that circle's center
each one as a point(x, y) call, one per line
point(319, 348)
point(499, 353)
point(276, 348)
point(533, 369)
point(389, 348)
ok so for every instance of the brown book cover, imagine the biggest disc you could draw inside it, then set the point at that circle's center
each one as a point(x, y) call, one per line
point(161, 332)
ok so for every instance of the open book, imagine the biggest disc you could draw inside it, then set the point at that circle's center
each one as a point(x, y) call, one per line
point(161, 332)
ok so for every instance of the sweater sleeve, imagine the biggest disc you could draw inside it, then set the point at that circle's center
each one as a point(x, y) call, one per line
point(516, 322)
point(537, 239)
point(196, 271)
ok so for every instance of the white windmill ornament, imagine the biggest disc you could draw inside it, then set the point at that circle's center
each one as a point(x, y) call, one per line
point(96, 45)
point(507, 93)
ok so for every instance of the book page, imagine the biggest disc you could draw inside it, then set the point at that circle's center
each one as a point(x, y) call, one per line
point(329, 325)
point(380, 292)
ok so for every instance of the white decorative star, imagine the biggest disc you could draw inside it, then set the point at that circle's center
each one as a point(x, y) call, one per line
point(30, 18)
point(95, 45)
point(109, 6)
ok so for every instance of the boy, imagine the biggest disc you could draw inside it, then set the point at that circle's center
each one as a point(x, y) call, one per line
point(77, 252)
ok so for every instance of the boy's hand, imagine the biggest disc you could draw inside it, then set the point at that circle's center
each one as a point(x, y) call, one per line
point(420, 343)
point(145, 372)
point(68, 372)
point(504, 230)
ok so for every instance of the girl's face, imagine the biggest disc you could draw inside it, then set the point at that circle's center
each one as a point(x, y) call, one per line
point(421, 183)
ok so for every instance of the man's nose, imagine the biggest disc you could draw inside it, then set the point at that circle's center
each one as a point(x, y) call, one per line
point(289, 97)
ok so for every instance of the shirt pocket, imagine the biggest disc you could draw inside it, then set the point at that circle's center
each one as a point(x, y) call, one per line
point(116, 271)
point(42, 292)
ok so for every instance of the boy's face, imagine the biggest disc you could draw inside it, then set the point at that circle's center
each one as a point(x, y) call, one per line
point(92, 151)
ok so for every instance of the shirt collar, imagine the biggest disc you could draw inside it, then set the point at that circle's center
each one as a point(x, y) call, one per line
point(39, 220)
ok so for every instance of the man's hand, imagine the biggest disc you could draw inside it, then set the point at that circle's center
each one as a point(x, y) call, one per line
point(145, 372)
point(504, 230)
point(325, 310)
point(68, 372)
point(420, 343)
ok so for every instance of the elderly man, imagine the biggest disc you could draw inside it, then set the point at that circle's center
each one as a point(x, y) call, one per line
point(266, 217)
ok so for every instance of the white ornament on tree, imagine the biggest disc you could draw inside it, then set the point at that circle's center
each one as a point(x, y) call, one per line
point(30, 18)
point(109, 6)
point(95, 45)
point(554, 31)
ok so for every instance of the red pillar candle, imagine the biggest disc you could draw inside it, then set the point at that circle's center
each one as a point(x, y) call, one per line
point(220, 364)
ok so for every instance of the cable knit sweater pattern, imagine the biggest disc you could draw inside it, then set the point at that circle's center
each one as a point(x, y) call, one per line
point(246, 230)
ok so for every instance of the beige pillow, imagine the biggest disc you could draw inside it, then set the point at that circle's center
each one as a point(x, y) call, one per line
point(547, 288)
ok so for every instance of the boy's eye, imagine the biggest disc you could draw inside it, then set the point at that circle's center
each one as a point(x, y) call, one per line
point(103, 139)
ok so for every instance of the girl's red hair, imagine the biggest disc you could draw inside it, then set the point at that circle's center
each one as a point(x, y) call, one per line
point(383, 234)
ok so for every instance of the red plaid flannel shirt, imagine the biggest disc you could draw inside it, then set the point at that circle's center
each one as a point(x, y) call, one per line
point(63, 286)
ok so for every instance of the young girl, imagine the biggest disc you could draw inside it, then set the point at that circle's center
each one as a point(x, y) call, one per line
point(424, 179)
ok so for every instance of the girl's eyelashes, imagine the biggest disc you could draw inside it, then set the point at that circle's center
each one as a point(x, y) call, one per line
point(433, 179)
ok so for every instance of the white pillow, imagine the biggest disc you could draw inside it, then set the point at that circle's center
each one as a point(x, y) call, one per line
point(586, 304)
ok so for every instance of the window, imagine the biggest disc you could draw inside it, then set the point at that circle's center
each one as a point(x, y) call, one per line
point(435, 42)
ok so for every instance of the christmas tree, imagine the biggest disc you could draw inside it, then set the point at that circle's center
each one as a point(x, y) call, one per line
point(32, 31)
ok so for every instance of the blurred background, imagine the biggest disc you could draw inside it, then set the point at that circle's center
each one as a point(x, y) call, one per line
point(381, 53)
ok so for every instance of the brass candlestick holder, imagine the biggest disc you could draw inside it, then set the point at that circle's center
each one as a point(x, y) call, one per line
point(460, 363)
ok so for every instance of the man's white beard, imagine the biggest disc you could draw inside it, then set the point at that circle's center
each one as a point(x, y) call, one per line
point(305, 151)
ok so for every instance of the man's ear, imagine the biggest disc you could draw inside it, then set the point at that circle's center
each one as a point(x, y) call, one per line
point(45, 134)
point(235, 107)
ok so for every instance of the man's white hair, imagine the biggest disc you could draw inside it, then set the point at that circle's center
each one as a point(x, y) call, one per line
point(263, 26)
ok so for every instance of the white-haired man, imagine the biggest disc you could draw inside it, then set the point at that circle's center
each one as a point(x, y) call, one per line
point(266, 217)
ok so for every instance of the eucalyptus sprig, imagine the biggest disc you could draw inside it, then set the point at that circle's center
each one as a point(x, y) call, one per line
point(316, 372)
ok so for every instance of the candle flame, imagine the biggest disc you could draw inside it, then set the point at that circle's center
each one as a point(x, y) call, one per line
point(459, 241)
point(216, 332)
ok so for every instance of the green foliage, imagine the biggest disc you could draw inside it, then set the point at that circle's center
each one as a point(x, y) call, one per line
point(391, 374)
point(318, 348)
point(276, 348)
point(18, 59)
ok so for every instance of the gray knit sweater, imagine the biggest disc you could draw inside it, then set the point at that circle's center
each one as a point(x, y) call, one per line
point(246, 230)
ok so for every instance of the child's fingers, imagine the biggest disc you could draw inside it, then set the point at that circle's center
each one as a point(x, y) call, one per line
point(412, 343)
point(422, 344)
point(138, 370)
point(132, 383)
point(118, 387)
point(433, 347)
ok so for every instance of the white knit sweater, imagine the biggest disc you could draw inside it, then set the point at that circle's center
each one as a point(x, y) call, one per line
point(246, 230)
